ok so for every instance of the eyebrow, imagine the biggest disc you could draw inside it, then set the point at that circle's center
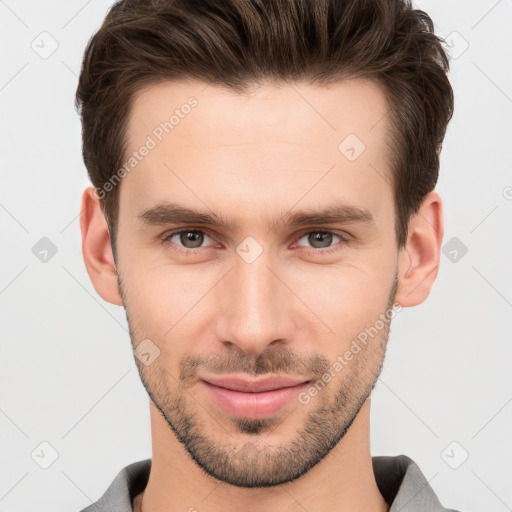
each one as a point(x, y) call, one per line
point(173, 213)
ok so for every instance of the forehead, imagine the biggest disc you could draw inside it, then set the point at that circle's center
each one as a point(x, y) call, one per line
point(297, 110)
point(277, 144)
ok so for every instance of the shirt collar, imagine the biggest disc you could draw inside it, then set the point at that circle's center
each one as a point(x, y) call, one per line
point(399, 479)
point(404, 486)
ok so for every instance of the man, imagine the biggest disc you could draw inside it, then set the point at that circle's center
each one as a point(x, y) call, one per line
point(262, 206)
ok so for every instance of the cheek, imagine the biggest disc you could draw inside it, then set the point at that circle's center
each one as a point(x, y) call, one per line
point(344, 300)
point(163, 298)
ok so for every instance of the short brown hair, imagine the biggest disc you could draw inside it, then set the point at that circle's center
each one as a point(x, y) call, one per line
point(240, 43)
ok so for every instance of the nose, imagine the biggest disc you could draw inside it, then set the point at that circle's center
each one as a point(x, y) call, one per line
point(254, 307)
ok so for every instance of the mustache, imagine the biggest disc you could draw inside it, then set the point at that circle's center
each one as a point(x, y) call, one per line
point(276, 361)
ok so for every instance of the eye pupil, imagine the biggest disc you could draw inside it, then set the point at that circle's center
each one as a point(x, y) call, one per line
point(325, 238)
point(191, 236)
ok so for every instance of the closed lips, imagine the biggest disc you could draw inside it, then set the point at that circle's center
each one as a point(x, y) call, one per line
point(271, 383)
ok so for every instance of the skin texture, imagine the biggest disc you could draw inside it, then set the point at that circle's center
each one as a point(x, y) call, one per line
point(294, 310)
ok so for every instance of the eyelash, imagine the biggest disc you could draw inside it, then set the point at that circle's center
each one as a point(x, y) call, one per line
point(166, 240)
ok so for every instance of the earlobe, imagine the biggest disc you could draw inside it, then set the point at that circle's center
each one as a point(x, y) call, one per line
point(419, 259)
point(97, 249)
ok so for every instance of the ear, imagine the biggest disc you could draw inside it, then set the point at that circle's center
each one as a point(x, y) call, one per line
point(96, 248)
point(418, 261)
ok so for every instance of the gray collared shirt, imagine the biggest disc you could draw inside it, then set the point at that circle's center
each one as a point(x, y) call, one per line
point(399, 479)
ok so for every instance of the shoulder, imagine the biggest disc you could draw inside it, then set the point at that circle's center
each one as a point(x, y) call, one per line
point(129, 482)
point(403, 485)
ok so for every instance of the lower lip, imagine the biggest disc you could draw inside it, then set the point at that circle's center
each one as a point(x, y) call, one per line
point(253, 405)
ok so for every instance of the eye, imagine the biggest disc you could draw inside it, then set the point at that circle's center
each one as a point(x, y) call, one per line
point(322, 241)
point(192, 240)
point(187, 239)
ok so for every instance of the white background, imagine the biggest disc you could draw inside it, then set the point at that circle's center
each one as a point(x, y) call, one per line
point(67, 372)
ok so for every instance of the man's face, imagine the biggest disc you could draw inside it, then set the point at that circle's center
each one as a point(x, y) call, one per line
point(259, 295)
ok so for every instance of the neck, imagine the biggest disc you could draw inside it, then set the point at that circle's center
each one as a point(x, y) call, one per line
point(342, 481)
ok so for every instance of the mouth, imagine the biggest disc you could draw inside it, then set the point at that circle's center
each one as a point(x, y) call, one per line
point(249, 398)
